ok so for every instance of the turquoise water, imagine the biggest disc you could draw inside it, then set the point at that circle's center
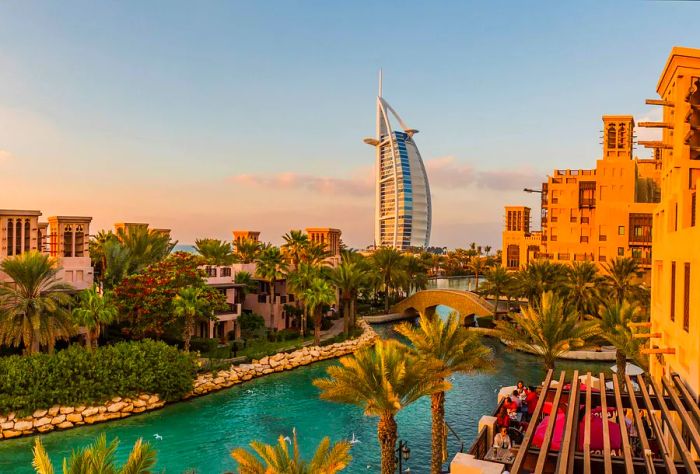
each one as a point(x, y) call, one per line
point(200, 433)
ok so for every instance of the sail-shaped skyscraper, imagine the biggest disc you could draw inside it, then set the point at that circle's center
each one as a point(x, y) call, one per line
point(402, 208)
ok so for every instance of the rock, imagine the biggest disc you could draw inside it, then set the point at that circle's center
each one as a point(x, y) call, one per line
point(139, 409)
point(66, 410)
point(95, 418)
point(42, 421)
point(11, 433)
point(101, 409)
point(8, 425)
point(23, 425)
point(80, 409)
point(53, 411)
point(57, 420)
point(90, 411)
point(139, 402)
point(116, 399)
point(65, 425)
point(153, 399)
point(144, 396)
point(128, 408)
point(39, 413)
point(45, 428)
point(115, 407)
point(11, 416)
point(74, 417)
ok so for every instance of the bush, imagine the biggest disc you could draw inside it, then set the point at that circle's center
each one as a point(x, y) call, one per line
point(203, 344)
point(77, 377)
point(251, 324)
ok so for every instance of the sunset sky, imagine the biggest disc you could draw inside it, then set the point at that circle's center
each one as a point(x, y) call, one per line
point(209, 117)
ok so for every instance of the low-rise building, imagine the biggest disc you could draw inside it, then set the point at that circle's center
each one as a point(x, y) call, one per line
point(591, 214)
point(65, 238)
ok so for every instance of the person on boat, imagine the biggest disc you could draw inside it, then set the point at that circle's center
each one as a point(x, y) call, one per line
point(502, 418)
point(502, 440)
point(530, 401)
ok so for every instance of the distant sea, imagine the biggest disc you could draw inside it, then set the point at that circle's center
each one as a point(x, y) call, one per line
point(184, 248)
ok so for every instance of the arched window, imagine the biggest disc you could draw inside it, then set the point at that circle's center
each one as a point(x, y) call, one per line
point(10, 237)
point(513, 256)
point(79, 241)
point(612, 136)
point(68, 241)
point(18, 237)
point(27, 236)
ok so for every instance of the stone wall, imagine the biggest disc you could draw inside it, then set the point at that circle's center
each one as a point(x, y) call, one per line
point(61, 418)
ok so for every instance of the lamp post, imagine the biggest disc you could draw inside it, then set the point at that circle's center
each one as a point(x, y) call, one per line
point(403, 453)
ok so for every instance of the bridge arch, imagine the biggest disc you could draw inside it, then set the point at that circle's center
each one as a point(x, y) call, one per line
point(424, 303)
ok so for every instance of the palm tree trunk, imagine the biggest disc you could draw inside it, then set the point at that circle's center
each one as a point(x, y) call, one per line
point(346, 317)
point(88, 340)
point(304, 313)
point(621, 362)
point(548, 362)
point(437, 407)
point(495, 306)
point(387, 434)
point(188, 331)
point(386, 298)
point(272, 304)
point(317, 325)
point(353, 322)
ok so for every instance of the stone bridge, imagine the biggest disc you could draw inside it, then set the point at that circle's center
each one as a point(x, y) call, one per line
point(425, 301)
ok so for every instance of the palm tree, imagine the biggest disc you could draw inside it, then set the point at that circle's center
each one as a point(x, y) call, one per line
point(295, 246)
point(582, 287)
point(498, 282)
point(98, 254)
point(456, 350)
point(477, 266)
point(298, 281)
point(538, 277)
point(33, 304)
point(250, 285)
point(276, 459)
point(382, 380)
point(270, 266)
point(416, 273)
point(549, 328)
point(319, 294)
point(614, 327)
point(98, 458)
point(93, 311)
point(190, 304)
point(145, 246)
point(348, 277)
point(247, 250)
point(390, 264)
point(215, 252)
point(622, 277)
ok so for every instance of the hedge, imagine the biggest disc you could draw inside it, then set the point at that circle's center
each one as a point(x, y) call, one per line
point(74, 376)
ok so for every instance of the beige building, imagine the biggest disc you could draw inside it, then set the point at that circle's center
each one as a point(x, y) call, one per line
point(65, 238)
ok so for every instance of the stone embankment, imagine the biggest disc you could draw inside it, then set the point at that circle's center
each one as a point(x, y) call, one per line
point(61, 418)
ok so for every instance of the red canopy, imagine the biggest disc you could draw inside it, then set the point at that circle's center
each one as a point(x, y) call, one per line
point(557, 436)
point(597, 434)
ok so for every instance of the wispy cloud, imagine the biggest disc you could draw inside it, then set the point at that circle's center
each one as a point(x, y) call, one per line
point(448, 172)
point(355, 186)
point(5, 156)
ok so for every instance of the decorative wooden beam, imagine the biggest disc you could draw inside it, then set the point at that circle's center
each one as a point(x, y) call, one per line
point(654, 144)
point(656, 427)
point(676, 434)
point(626, 449)
point(652, 335)
point(640, 426)
point(688, 424)
point(530, 433)
point(542, 458)
point(687, 396)
point(565, 461)
point(606, 429)
point(665, 103)
point(587, 428)
point(659, 350)
point(639, 325)
point(655, 125)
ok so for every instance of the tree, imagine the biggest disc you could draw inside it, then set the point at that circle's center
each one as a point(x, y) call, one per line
point(548, 328)
point(538, 277)
point(270, 266)
point(296, 243)
point(390, 265)
point(455, 350)
point(582, 287)
point(416, 274)
point(98, 458)
point(382, 380)
point(319, 294)
point(498, 282)
point(348, 277)
point(189, 304)
point(93, 311)
point(477, 266)
point(622, 277)
point(250, 285)
point(33, 305)
point(276, 459)
point(146, 299)
point(298, 281)
point(247, 250)
point(615, 319)
point(214, 251)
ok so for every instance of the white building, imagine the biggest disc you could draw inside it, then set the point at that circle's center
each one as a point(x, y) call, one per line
point(403, 208)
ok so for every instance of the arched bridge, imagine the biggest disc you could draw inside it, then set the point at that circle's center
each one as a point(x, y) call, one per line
point(425, 301)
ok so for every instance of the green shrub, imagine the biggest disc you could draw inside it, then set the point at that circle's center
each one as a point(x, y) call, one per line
point(77, 377)
point(251, 324)
point(203, 344)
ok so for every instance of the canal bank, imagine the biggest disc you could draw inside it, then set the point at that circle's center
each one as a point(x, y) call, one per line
point(200, 433)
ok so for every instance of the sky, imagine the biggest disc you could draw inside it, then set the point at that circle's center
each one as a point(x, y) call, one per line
point(205, 117)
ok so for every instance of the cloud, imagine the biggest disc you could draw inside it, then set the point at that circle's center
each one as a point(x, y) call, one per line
point(5, 156)
point(447, 172)
point(356, 185)
point(649, 134)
